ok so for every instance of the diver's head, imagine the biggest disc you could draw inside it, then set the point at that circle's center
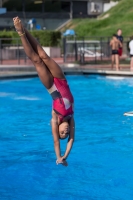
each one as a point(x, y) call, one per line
point(64, 130)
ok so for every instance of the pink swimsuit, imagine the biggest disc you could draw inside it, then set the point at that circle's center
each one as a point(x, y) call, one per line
point(62, 98)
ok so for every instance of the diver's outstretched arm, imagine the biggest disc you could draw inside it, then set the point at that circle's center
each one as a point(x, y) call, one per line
point(55, 132)
point(56, 138)
point(71, 138)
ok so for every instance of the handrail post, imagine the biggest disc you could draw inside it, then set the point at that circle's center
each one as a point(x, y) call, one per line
point(95, 54)
point(75, 47)
point(64, 49)
point(101, 47)
point(18, 54)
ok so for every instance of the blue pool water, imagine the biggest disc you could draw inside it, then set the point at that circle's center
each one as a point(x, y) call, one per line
point(101, 161)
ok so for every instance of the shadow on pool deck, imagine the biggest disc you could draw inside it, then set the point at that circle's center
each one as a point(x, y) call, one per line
point(11, 69)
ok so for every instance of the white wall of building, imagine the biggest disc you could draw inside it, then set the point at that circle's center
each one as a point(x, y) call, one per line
point(107, 6)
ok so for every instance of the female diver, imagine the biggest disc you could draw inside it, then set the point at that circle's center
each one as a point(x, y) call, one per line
point(53, 79)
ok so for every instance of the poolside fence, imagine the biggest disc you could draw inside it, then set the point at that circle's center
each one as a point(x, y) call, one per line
point(90, 49)
point(74, 50)
point(12, 50)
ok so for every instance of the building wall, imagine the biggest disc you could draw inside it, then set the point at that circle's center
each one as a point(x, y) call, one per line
point(79, 8)
point(95, 8)
point(48, 24)
point(107, 6)
point(87, 8)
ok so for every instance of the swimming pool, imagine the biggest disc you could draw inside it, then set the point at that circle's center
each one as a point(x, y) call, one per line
point(101, 161)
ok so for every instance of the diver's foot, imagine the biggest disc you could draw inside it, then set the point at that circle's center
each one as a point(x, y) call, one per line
point(18, 26)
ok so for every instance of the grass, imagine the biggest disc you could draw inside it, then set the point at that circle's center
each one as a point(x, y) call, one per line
point(120, 16)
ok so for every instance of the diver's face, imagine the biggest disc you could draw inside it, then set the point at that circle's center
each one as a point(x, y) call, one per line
point(64, 130)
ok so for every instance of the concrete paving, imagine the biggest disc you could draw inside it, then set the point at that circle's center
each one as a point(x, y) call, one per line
point(22, 71)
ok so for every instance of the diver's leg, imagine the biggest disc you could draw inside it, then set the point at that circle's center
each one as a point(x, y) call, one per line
point(49, 62)
point(43, 72)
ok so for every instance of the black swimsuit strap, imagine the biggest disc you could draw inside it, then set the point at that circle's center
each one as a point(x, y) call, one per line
point(56, 95)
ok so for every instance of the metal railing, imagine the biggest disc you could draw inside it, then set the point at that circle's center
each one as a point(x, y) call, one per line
point(12, 50)
point(90, 49)
point(75, 49)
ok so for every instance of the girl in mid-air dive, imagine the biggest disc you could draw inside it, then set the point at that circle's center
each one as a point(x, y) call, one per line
point(53, 79)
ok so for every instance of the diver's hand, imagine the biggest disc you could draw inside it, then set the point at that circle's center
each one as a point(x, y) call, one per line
point(62, 161)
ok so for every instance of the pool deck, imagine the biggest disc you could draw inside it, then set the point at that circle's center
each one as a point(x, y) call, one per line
point(13, 70)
